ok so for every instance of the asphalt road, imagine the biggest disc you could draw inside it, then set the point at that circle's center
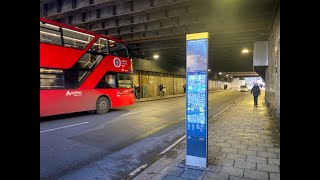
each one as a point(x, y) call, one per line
point(110, 146)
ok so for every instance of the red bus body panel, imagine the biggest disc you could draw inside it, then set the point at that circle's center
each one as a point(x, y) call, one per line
point(53, 102)
point(52, 56)
point(84, 98)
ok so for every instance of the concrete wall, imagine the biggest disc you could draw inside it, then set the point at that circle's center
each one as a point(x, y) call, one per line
point(219, 85)
point(272, 79)
point(157, 66)
point(149, 74)
point(149, 83)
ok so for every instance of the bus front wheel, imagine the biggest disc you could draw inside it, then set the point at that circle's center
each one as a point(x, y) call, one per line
point(102, 105)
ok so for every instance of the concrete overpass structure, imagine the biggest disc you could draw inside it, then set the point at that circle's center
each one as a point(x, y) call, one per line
point(241, 74)
point(115, 144)
point(159, 27)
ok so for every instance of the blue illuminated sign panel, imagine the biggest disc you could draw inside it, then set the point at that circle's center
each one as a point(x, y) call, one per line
point(197, 99)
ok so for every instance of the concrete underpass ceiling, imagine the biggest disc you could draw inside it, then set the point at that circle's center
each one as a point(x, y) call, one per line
point(159, 26)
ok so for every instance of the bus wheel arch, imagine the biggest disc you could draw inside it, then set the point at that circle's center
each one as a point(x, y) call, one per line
point(103, 104)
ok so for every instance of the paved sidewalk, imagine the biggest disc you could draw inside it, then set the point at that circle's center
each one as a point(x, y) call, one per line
point(243, 144)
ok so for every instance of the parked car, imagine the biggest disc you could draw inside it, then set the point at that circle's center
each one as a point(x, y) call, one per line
point(243, 88)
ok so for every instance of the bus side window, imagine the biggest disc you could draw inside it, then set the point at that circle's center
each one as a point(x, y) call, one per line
point(75, 39)
point(124, 80)
point(51, 79)
point(108, 81)
point(50, 34)
point(101, 46)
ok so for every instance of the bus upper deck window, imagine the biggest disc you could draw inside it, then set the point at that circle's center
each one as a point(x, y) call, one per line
point(118, 49)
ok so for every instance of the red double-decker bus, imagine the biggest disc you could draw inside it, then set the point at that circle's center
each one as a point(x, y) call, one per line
point(82, 71)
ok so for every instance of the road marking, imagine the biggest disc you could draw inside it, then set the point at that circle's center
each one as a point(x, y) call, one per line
point(157, 129)
point(137, 170)
point(235, 101)
point(63, 127)
point(172, 145)
point(220, 111)
point(139, 111)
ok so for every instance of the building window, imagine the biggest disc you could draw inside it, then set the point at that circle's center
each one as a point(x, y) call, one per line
point(45, 10)
point(114, 10)
point(117, 22)
point(83, 18)
point(59, 6)
point(152, 3)
point(70, 19)
point(131, 6)
point(74, 4)
point(98, 13)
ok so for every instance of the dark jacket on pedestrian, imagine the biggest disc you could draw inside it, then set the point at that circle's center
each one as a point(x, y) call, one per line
point(255, 91)
point(160, 87)
point(137, 88)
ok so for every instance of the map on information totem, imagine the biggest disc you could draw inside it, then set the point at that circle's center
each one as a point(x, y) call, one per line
point(196, 99)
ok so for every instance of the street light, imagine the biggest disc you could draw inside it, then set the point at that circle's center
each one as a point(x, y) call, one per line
point(155, 57)
point(209, 70)
point(245, 51)
point(220, 73)
point(227, 75)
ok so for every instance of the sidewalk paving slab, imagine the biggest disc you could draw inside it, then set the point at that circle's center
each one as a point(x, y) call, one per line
point(242, 144)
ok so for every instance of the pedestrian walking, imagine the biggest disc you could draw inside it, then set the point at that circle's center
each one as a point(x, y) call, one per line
point(137, 91)
point(255, 91)
point(161, 89)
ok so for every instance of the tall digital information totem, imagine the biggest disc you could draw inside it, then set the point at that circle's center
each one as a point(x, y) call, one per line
point(197, 99)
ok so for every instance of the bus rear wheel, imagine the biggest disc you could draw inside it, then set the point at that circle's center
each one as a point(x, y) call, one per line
point(102, 105)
